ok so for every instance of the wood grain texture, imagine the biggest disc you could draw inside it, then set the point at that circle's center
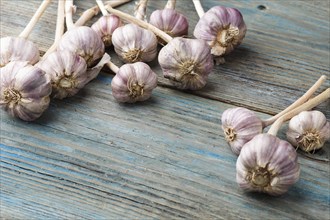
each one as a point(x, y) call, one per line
point(165, 158)
point(89, 157)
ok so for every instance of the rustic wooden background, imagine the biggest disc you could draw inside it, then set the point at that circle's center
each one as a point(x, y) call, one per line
point(89, 157)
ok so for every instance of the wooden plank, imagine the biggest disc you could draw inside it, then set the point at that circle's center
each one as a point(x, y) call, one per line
point(90, 158)
point(283, 54)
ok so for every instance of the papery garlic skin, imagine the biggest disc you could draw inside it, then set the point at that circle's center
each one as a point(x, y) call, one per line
point(308, 130)
point(105, 26)
point(186, 62)
point(267, 164)
point(85, 42)
point(170, 21)
point(94, 71)
point(134, 44)
point(223, 28)
point(67, 72)
point(24, 90)
point(240, 125)
point(18, 49)
point(133, 82)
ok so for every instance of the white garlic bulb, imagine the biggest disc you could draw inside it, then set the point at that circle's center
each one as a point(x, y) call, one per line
point(18, 49)
point(223, 28)
point(134, 44)
point(85, 42)
point(267, 164)
point(240, 125)
point(170, 21)
point(133, 82)
point(308, 130)
point(105, 26)
point(67, 72)
point(186, 62)
point(24, 90)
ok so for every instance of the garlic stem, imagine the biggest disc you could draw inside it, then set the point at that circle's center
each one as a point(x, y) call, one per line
point(140, 10)
point(304, 107)
point(93, 11)
point(102, 7)
point(113, 67)
point(167, 38)
point(170, 4)
point(59, 27)
point(69, 9)
point(298, 102)
point(199, 8)
point(27, 30)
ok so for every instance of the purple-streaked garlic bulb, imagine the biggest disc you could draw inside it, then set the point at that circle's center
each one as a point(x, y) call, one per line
point(267, 164)
point(186, 62)
point(170, 21)
point(67, 72)
point(18, 49)
point(240, 125)
point(85, 42)
point(133, 44)
point(105, 26)
point(308, 130)
point(133, 82)
point(24, 90)
point(222, 28)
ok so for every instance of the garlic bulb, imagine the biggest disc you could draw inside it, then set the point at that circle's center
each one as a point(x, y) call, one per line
point(133, 82)
point(24, 90)
point(223, 28)
point(267, 164)
point(308, 130)
point(12, 50)
point(134, 44)
point(105, 26)
point(67, 72)
point(170, 21)
point(84, 42)
point(186, 62)
point(240, 125)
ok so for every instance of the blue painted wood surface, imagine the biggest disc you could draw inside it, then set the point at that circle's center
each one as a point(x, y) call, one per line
point(89, 157)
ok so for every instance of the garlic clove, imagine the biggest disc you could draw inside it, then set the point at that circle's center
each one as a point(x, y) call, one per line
point(67, 72)
point(170, 21)
point(133, 82)
point(134, 44)
point(308, 130)
point(24, 90)
point(186, 62)
point(105, 26)
point(85, 42)
point(223, 28)
point(267, 164)
point(11, 50)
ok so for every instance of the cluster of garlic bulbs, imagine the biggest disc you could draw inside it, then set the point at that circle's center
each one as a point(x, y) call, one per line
point(24, 88)
point(266, 163)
